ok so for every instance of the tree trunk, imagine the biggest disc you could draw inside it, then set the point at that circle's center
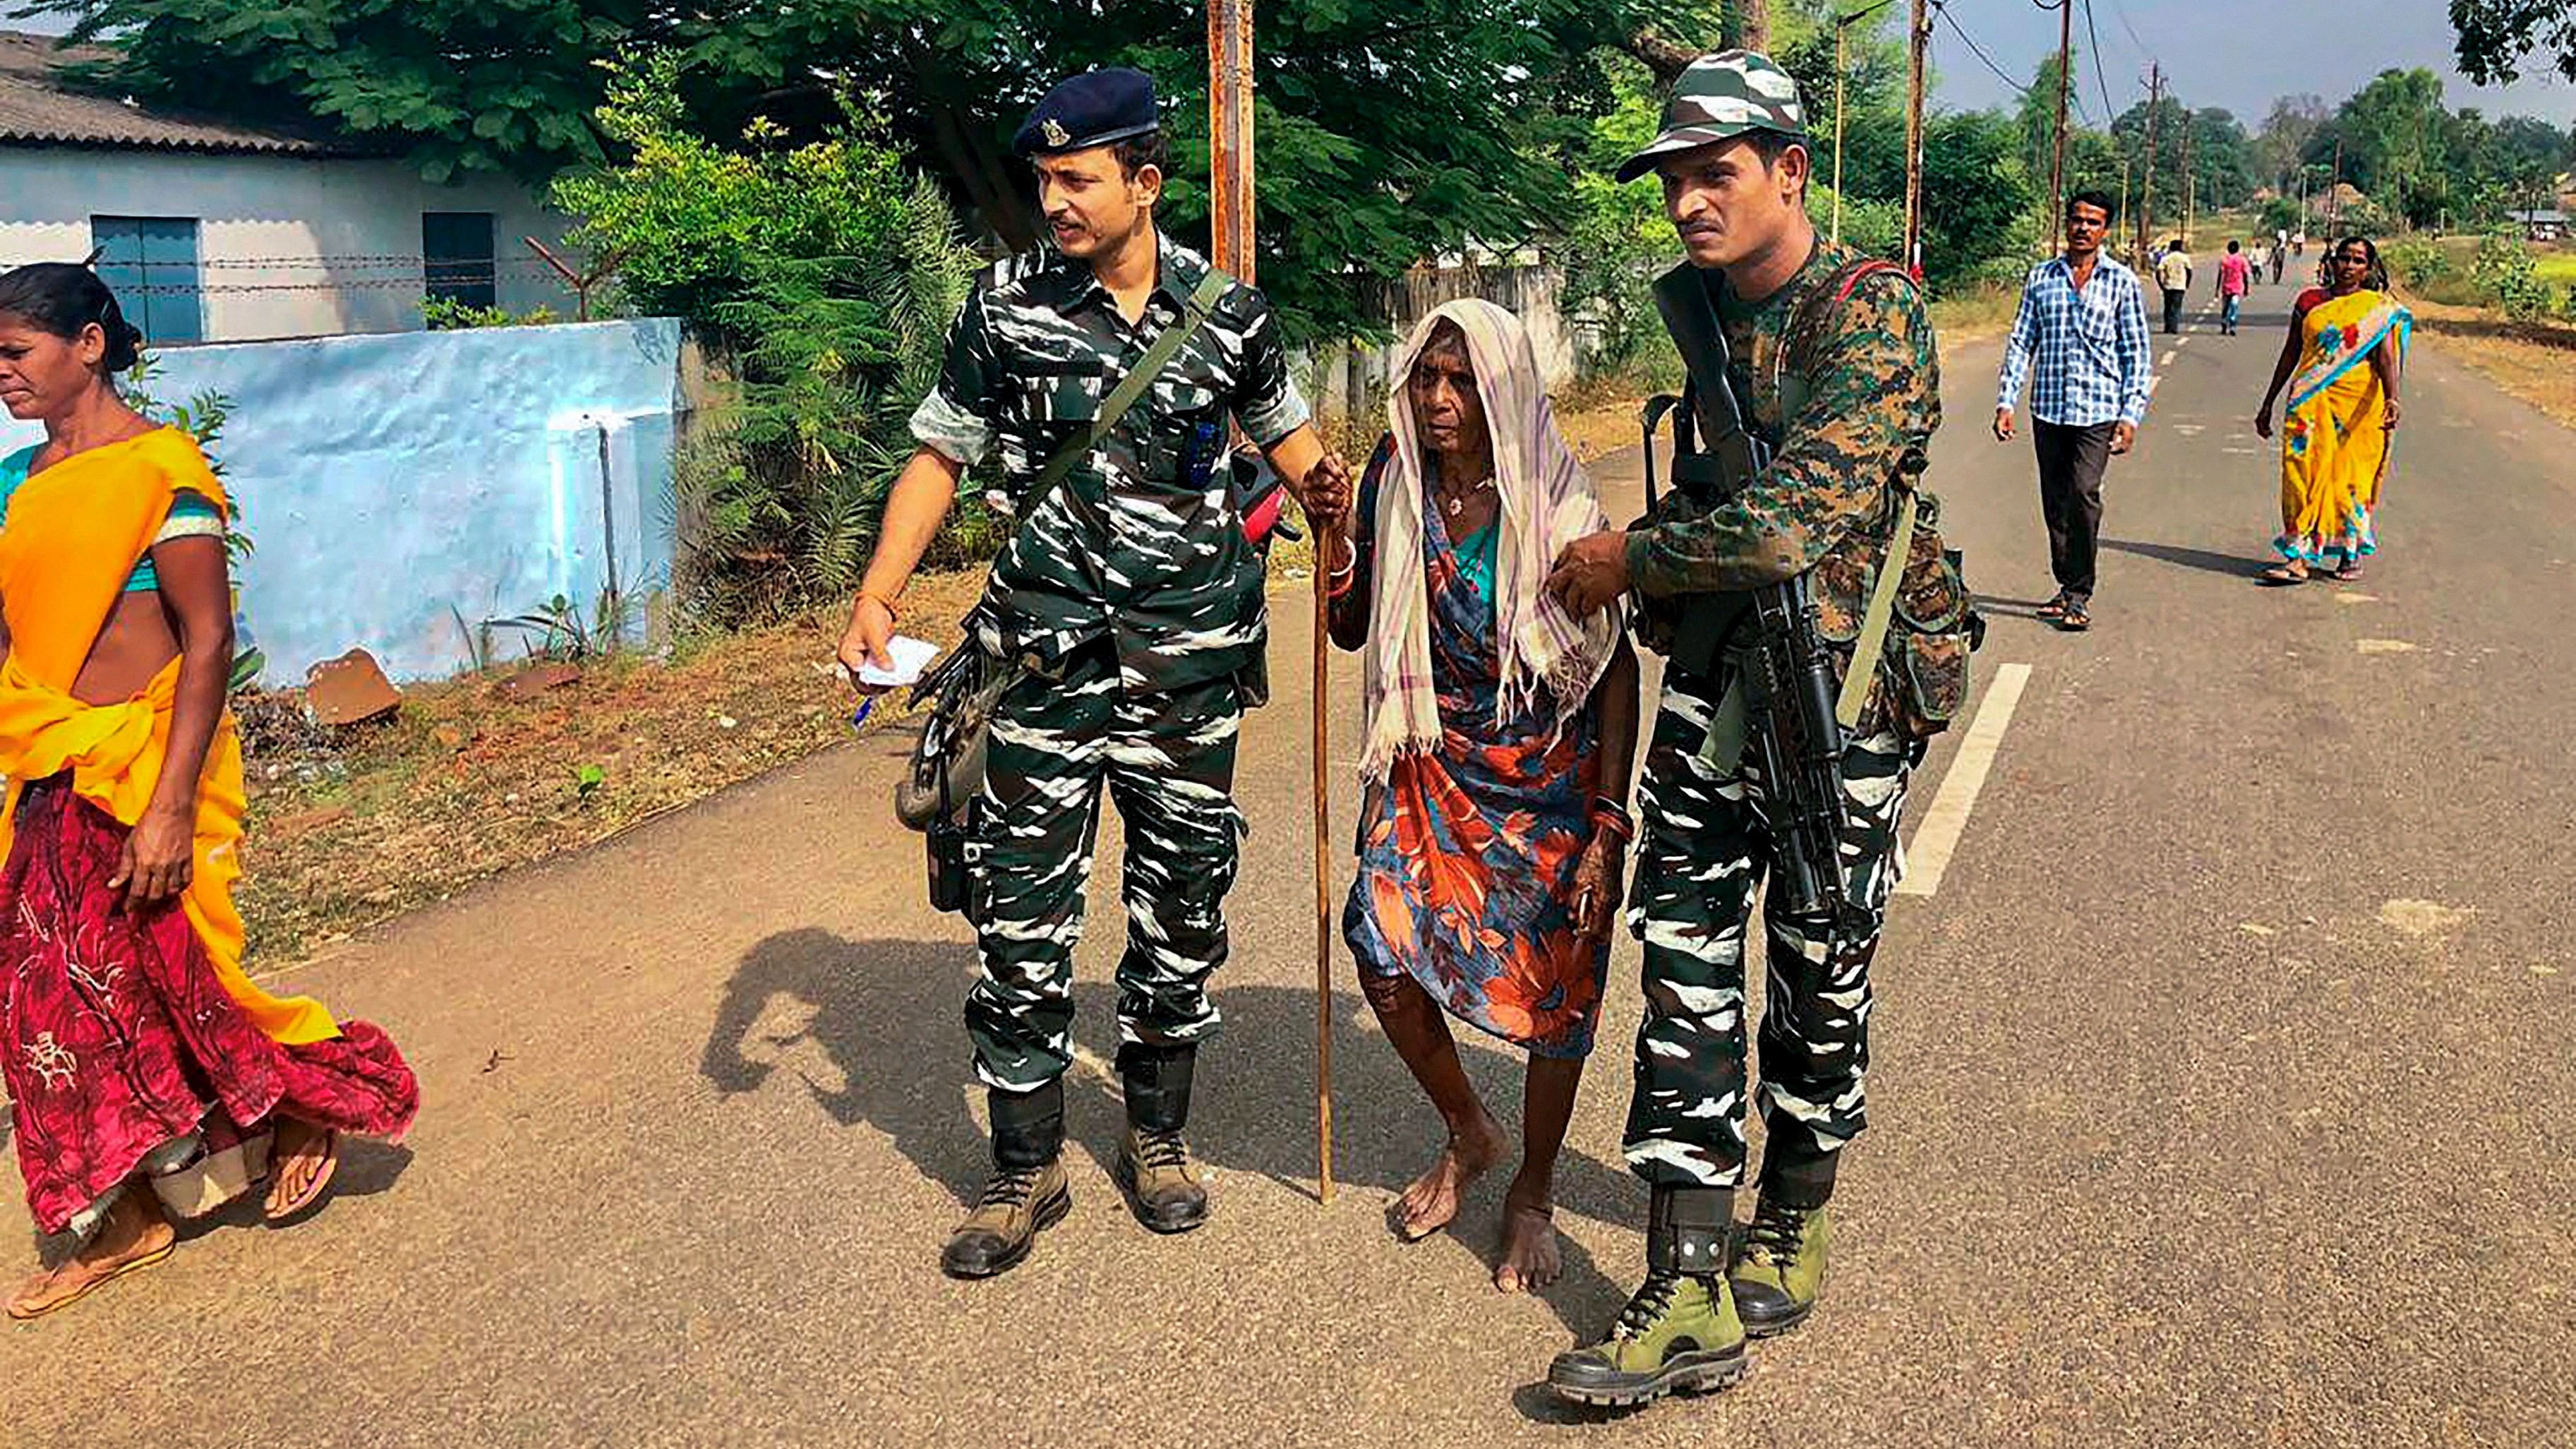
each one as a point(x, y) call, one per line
point(1666, 58)
point(1748, 25)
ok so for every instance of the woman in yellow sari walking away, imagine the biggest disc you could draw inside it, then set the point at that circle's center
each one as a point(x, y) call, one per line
point(146, 1070)
point(2347, 344)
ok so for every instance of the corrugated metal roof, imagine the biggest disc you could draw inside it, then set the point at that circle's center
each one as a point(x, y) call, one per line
point(37, 107)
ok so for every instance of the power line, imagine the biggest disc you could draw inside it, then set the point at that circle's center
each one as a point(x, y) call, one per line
point(1961, 31)
point(2110, 112)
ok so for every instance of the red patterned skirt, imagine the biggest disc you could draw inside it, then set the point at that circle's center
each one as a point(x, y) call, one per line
point(117, 1041)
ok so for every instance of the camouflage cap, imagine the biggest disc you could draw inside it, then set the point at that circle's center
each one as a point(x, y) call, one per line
point(1721, 97)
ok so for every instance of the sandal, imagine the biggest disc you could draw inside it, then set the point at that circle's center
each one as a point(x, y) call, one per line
point(2346, 573)
point(2054, 609)
point(2281, 576)
point(132, 1265)
point(313, 1191)
point(2077, 617)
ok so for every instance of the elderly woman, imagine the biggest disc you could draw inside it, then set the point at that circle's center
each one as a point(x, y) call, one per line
point(1500, 734)
point(146, 1069)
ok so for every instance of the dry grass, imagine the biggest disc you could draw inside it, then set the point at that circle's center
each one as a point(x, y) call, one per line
point(470, 779)
point(2534, 361)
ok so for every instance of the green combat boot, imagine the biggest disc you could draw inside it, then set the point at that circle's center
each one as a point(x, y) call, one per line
point(1780, 1266)
point(1027, 1191)
point(1154, 1169)
point(1680, 1333)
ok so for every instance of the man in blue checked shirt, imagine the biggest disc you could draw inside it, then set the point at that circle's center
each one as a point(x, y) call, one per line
point(2080, 341)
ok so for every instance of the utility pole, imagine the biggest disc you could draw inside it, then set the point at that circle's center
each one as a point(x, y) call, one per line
point(1842, 29)
point(1918, 35)
point(2190, 196)
point(2147, 163)
point(2334, 193)
point(2112, 240)
point(1230, 136)
point(2057, 166)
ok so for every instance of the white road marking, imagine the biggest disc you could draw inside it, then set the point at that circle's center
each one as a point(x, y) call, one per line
point(2191, 430)
point(2167, 359)
point(2383, 646)
point(1947, 820)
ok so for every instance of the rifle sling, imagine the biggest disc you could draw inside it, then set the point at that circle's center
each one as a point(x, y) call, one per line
point(1873, 624)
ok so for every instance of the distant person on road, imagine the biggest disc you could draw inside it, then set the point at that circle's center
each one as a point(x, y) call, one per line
point(2280, 256)
point(2235, 279)
point(2347, 342)
point(2080, 342)
point(149, 1075)
point(1499, 737)
point(2173, 273)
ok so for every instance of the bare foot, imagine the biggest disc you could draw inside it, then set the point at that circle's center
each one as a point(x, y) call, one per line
point(1530, 1260)
point(302, 1160)
point(1432, 1201)
point(135, 1236)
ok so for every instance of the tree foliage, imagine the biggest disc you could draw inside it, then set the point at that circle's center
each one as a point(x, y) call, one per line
point(455, 85)
point(827, 272)
point(1390, 130)
point(2496, 36)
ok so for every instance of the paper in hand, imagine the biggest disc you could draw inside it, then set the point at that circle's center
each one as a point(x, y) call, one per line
point(911, 657)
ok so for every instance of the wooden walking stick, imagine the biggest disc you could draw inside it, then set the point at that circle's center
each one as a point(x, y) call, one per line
point(1323, 877)
point(1229, 26)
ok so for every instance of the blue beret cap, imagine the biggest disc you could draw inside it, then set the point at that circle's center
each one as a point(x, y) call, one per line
point(1097, 108)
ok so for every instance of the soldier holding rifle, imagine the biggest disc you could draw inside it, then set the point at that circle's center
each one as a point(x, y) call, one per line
point(1762, 576)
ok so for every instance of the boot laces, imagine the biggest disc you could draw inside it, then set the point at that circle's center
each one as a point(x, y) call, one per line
point(1776, 1230)
point(1010, 1187)
point(1653, 1300)
point(1162, 1149)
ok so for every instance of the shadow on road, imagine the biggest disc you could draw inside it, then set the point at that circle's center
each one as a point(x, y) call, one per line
point(884, 1015)
point(2190, 558)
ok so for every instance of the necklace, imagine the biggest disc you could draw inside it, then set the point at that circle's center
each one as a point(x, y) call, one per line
point(1454, 504)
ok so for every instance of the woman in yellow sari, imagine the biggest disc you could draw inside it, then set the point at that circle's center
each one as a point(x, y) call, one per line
point(2347, 344)
point(146, 1070)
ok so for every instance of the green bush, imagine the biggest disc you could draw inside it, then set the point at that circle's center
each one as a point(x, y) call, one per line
point(2508, 279)
point(826, 275)
point(446, 314)
point(2417, 264)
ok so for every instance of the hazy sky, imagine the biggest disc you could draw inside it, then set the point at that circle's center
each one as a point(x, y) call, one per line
point(2234, 53)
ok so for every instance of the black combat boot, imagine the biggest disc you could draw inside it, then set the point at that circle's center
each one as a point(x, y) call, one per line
point(1154, 1168)
point(1026, 1192)
point(1679, 1334)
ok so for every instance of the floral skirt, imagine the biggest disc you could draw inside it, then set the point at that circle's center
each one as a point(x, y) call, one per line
point(121, 1049)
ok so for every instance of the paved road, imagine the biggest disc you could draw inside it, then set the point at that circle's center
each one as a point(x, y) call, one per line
point(2219, 1091)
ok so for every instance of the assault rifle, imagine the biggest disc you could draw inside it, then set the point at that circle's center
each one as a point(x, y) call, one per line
point(1787, 673)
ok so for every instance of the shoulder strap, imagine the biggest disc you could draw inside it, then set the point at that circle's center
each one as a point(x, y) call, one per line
point(1194, 315)
point(1811, 319)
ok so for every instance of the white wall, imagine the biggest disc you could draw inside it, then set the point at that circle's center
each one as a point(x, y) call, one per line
point(286, 246)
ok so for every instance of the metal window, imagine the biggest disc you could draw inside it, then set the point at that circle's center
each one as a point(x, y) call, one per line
point(456, 257)
point(150, 262)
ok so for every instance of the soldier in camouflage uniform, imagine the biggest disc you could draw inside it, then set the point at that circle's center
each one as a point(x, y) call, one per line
point(1837, 363)
point(1133, 592)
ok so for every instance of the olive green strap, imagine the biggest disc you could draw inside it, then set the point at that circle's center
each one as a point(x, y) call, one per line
point(1723, 748)
point(1873, 625)
point(1131, 387)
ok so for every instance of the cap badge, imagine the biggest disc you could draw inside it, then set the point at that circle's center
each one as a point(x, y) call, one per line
point(1054, 131)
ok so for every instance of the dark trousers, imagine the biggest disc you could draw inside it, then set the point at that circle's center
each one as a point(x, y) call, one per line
point(2070, 498)
point(2173, 309)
